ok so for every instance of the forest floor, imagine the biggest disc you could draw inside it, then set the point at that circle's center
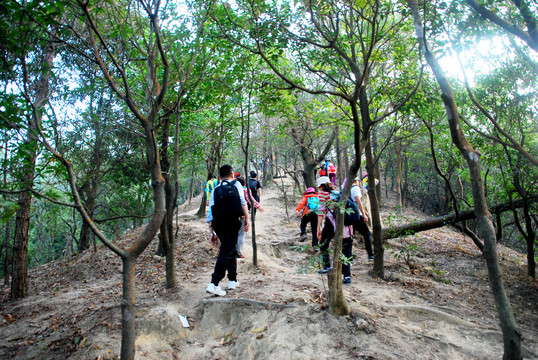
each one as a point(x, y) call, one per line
point(442, 308)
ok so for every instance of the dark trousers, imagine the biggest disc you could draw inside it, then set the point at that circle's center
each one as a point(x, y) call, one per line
point(362, 228)
point(311, 218)
point(227, 259)
point(347, 245)
point(327, 234)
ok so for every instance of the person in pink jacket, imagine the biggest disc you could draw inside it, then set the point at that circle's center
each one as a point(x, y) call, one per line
point(309, 205)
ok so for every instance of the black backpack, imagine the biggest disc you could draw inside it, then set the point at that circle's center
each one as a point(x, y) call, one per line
point(253, 185)
point(352, 213)
point(227, 209)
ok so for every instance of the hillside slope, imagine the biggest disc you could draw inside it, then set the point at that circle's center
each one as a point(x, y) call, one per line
point(442, 308)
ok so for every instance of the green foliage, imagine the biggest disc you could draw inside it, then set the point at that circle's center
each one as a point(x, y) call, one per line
point(407, 252)
point(8, 210)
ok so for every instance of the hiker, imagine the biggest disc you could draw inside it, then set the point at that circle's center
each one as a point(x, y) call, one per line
point(255, 187)
point(209, 186)
point(331, 171)
point(327, 234)
point(227, 206)
point(361, 225)
point(365, 181)
point(310, 204)
point(241, 236)
point(322, 169)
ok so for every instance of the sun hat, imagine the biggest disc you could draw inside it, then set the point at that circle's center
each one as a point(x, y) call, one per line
point(310, 189)
point(322, 180)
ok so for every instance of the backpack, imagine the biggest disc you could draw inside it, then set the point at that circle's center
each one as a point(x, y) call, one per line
point(351, 217)
point(253, 185)
point(313, 203)
point(227, 209)
point(352, 213)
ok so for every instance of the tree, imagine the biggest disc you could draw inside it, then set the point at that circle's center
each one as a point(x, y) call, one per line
point(27, 62)
point(144, 104)
point(511, 335)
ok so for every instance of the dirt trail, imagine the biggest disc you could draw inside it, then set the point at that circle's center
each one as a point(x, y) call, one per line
point(442, 309)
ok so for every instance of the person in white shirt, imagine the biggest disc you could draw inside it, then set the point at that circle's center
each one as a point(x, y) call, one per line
point(361, 225)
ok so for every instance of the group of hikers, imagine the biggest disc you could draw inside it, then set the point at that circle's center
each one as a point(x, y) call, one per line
point(318, 207)
point(230, 200)
point(326, 168)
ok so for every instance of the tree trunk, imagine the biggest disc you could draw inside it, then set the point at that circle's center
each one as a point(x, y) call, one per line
point(88, 195)
point(440, 221)
point(399, 194)
point(308, 157)
point(128, 310)
point(212, 163)
point(19, 284)
point(8, 255)
point(338, 305)
point(339, 179)
point(379, 250)
point(19, 281)
point(377, 172)
point(511, 334)
point(166, 236)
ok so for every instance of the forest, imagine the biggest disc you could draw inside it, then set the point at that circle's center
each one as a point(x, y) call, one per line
point(114, 112)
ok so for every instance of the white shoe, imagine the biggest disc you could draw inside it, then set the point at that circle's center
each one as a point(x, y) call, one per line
point(232, 285)
point(215, 290)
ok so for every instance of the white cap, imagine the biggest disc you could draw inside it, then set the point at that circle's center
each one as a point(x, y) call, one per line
point(322, 180)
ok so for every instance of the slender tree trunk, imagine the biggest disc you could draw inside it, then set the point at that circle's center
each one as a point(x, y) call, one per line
point(212, 163)
point(8, 255)
point(377, 172)
point(339, 179)
point(511, 334)
point(399, 194)
point(128, 310)
point(379, 249)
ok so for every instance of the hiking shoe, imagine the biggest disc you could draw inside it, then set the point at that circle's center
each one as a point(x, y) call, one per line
point(215, 290)
point(347, 280)
point(325, 270)
point(303, 238)
point(371, 258)
point(232, 285)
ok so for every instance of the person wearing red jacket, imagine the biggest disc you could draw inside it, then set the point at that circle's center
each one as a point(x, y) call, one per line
point(309, 205)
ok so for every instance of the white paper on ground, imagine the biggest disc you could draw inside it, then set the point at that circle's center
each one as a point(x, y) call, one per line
point(184, 321)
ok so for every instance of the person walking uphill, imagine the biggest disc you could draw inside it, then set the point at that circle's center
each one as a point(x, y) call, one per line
point(227, 206)
point(310, 203)
point(327, 192)
point(209, 187)
point(361, 225)
point(255, 188)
